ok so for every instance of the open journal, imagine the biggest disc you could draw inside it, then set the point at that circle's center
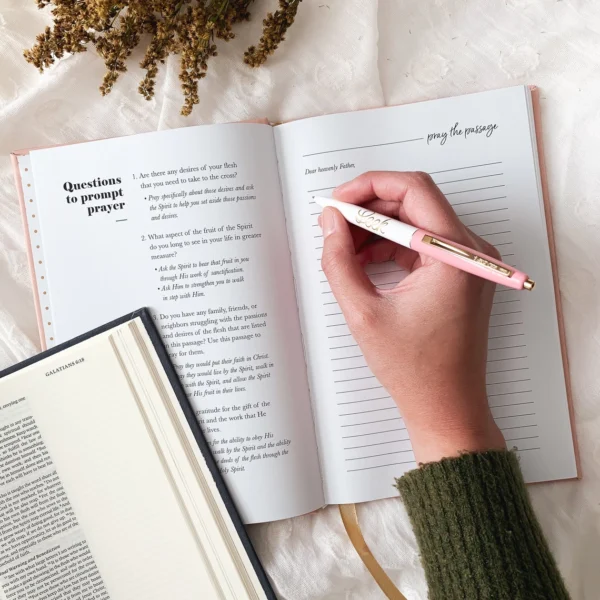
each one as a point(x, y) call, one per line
point(215, 229)
point(107, 488)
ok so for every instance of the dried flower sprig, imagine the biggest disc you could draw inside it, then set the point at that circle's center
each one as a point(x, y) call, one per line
point(188, 28)
point(274, 28)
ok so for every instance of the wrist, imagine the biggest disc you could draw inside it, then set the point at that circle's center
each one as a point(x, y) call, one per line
point(444, 440)
point(444, 423)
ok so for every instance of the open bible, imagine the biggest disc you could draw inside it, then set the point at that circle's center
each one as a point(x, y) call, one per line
point(214, 228)
point(108, 490)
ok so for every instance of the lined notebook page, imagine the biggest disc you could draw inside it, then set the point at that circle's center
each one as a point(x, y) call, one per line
point(480, 150)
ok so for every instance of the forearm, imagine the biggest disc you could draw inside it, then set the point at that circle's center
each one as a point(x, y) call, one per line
point(477, 533)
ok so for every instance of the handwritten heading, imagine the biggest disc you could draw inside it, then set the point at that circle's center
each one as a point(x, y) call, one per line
point(441, 137)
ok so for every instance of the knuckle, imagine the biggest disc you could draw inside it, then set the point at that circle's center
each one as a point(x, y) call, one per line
point(370, 176)
point(363, 319)
point(423, 178)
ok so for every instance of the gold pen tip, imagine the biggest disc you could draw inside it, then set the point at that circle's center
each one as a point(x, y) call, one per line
point(528, 284)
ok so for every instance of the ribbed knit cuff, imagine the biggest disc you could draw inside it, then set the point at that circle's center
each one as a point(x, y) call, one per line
point(476, 530)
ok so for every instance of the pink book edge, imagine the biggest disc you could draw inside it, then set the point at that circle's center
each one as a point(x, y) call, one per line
point(535, 95)
point(14, 157)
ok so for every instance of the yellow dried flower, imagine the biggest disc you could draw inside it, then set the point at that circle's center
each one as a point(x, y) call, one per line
point(274, 28)
point(188, 28)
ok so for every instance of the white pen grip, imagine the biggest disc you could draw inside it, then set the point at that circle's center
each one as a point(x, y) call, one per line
point(399, 232)
point(381, 225)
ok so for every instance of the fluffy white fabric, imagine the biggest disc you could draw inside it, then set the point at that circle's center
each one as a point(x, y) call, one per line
point(345, 55)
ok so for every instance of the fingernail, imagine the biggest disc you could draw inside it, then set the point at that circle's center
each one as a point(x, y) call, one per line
point(320, 221)
point(328, 221)
point(341, 188)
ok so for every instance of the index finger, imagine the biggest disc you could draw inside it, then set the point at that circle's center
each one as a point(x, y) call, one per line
point(412, 195)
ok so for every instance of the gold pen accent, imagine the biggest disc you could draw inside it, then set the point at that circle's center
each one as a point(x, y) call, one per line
point(484, 262)
point(528, 284)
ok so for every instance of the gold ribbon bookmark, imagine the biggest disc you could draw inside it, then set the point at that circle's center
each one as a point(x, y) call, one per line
point(350, 520)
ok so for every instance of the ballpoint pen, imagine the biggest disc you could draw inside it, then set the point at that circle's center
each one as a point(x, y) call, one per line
point(430, 244)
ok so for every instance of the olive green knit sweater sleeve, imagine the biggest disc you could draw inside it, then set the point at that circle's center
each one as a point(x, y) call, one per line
point(476, 530)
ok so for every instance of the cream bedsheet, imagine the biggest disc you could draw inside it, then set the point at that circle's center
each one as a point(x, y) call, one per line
point(345, 55)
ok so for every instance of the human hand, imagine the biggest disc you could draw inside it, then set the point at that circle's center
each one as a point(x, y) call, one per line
point(425, 339)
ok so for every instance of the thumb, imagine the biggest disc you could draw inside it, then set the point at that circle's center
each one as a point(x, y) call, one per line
point(346, 275)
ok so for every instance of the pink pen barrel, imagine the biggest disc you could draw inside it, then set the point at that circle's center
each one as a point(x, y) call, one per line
point(467, 259)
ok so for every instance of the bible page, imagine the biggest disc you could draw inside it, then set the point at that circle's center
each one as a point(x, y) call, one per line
point(88, 506)
point(40, 536)
point(190, 223)
point(480, 150)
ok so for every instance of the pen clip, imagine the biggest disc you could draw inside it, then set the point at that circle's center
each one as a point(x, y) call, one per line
point(470, 256)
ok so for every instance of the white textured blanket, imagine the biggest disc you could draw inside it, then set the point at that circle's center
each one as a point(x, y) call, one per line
point(345, 55)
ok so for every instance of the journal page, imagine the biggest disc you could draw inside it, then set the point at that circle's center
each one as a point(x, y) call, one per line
point(480, 150)
point(190, 223)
